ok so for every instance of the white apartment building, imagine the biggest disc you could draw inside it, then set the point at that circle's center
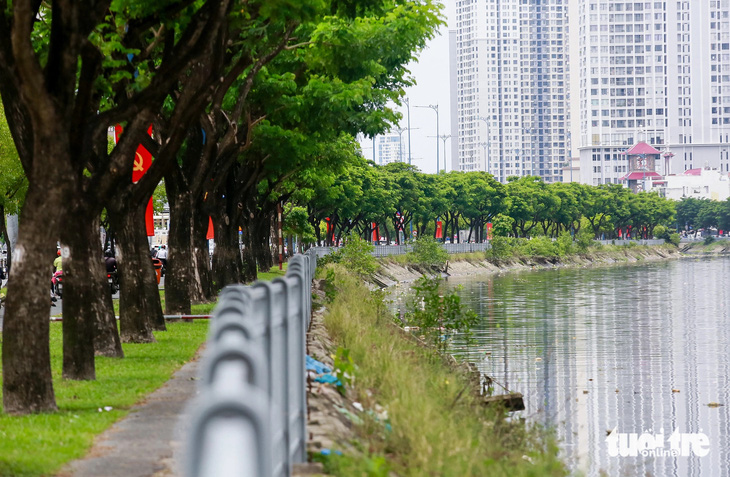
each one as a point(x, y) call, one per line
point(653, 71)
point(510, 96)
point(388, 148)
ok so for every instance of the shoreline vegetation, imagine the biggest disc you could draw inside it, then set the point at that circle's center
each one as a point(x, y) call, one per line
point(433, 426)
point(409, 413)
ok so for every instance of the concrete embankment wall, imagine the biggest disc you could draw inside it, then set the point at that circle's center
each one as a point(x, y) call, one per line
point(392, 273)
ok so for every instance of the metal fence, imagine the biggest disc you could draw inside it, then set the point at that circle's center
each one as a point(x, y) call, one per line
point(386, 250)
point(250, 416)
point(630, 242)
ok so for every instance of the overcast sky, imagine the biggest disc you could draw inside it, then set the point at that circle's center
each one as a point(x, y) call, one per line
point(431, 73)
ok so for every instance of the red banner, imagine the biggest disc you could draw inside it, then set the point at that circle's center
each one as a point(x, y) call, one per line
point(489, 231)
point(376, 237)
point(142, 162)
point(211, 231)
point(439, 230)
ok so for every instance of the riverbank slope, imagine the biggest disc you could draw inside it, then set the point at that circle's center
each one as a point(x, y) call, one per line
point(399, 409)
point(394, 270)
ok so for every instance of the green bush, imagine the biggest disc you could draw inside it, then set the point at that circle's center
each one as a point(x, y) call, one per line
point(335, 256)
point(500, 248)
point(674, 239)
point(357, 256)
point(661, 232)
point(709, 239)
point(584, 239)
point(437, 313)
point(540, 247)
point(427, 252)
point(564, 243)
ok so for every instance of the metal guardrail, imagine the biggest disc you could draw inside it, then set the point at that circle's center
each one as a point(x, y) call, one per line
point(386, 250)
point(250, 416)
point(630, 242)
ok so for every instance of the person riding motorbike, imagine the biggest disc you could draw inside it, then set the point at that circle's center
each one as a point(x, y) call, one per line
point(56, 289)
point(110, 261)
point(111, 271)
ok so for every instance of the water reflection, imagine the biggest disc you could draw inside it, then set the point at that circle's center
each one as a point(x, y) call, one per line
point(632, 348)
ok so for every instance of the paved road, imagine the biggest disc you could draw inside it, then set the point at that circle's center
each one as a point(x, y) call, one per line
point(58, 309)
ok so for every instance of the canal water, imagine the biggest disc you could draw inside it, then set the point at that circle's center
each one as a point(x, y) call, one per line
point(639, 349)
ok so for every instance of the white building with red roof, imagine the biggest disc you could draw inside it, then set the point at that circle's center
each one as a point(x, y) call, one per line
point(693, 183)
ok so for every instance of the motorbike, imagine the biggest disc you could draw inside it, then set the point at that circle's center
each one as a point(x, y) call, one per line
point(57, 283)
point(113, 279)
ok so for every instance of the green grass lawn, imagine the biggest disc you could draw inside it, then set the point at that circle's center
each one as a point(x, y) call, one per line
point(273, 273)
point(40, 444)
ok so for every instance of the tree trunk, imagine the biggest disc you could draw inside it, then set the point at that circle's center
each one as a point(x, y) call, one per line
point(261, 242)
point(201, 291)
point(27, 381)
point(226, 255)
point(85, 308)
point(180, 253)
point(249, 271)
point(136, 312)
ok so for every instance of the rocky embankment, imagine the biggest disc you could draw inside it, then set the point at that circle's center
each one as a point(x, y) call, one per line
point(392, 273)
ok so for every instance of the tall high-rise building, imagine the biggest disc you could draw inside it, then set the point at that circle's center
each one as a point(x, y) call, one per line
point(655, 72)
point(388, 148)
point(510, 87)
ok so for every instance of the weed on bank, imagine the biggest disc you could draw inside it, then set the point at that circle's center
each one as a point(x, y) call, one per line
point(419, 417)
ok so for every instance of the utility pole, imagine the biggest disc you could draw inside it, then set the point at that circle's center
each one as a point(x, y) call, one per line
point(435, 107)
point(408, 107)
point(488, 148)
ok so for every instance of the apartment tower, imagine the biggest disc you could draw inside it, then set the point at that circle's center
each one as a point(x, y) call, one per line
point(510, 87)
point(655, 72)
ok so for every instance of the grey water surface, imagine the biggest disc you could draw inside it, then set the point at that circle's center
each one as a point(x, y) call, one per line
point(630, 349)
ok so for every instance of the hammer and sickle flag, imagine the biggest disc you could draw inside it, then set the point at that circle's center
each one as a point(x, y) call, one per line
point(142, 162)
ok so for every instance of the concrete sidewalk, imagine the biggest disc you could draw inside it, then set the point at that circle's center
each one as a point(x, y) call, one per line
point(150, 440)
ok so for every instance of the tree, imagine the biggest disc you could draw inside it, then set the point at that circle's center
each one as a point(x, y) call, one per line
point(688, 208)
point(65, 78)
point(484, 199)
point(530, 202)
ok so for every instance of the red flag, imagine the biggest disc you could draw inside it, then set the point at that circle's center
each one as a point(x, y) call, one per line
point(439, 231)
point(211, 231)
point(374, 226)
point(142, 162)
point(489, 231)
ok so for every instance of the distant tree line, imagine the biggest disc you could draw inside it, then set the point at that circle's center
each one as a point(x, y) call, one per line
point(393, 196)
point(693, 214)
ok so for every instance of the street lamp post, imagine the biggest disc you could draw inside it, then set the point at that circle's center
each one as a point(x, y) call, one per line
point(486, 161)
point(400, 132)
point(444, 138)
point(408, 108)
point(488, 148)
point(435, 107)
